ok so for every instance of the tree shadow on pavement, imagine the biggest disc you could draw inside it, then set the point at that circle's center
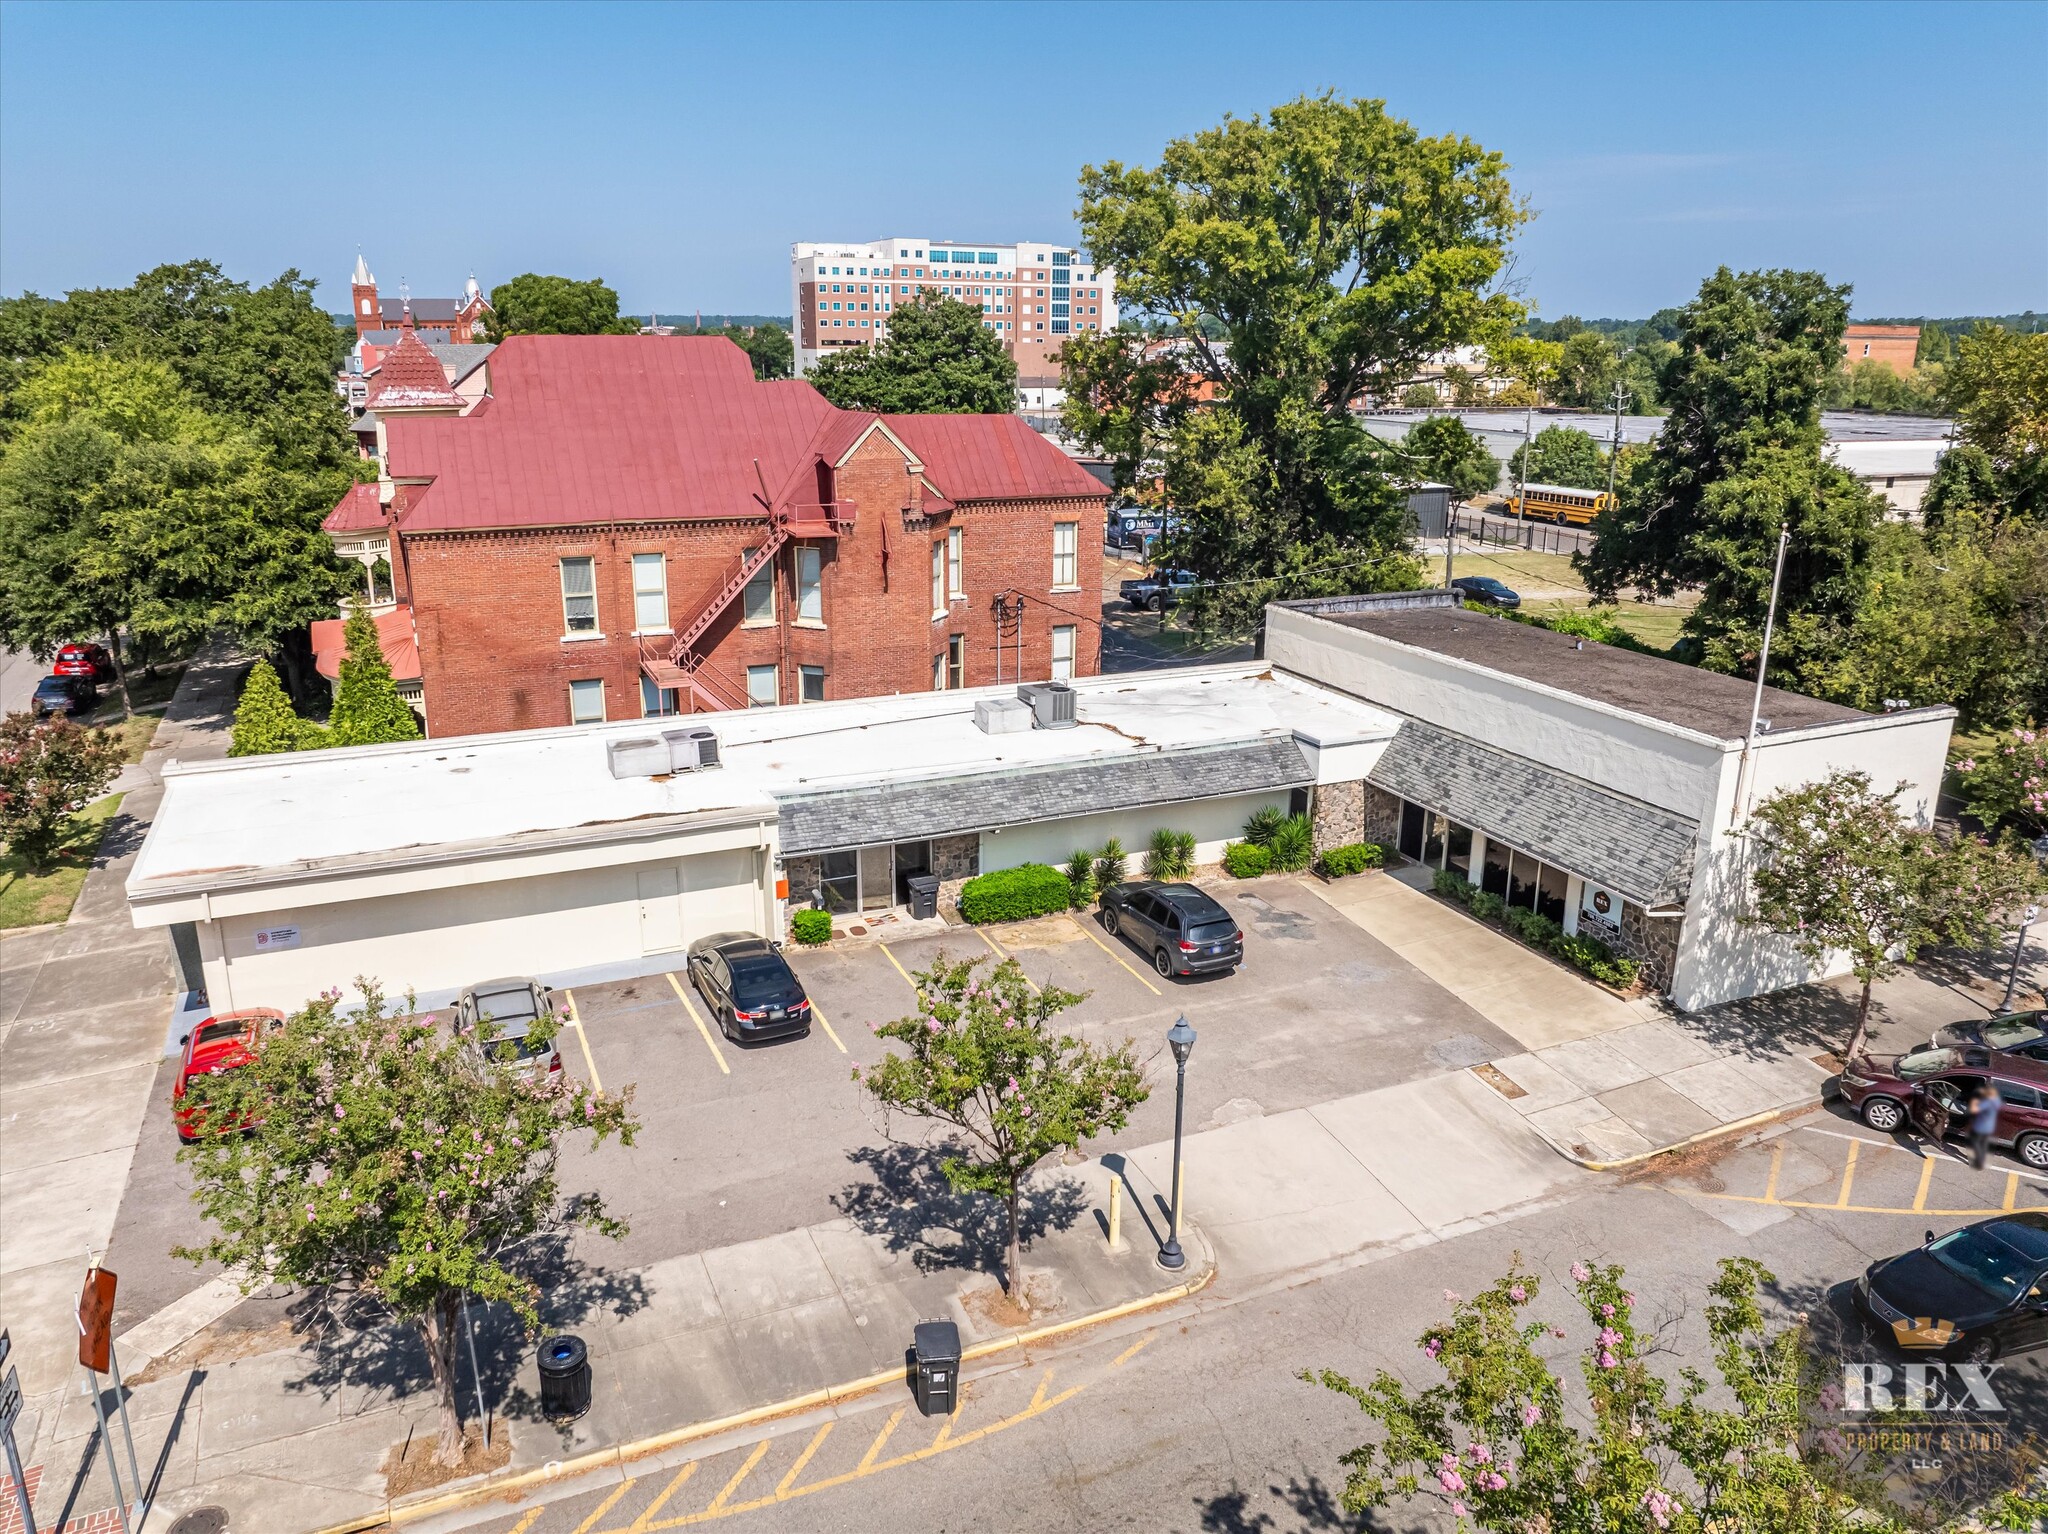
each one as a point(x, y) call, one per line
point(910, 1206)
point(1807, 1019)
point(1314, 1506)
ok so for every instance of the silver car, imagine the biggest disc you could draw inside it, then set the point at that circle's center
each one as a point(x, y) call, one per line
point(502, 1013)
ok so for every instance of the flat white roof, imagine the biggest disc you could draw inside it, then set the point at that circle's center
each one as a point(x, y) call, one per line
point(229, 821)
point(1913, 458)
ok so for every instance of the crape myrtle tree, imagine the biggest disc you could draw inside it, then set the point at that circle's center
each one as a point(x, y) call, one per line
point(1297, 262)
point(1840, 872)
point(47, 766)
point(937, 357)
point(1740, 454)
point(385, 1159)
point(981, 1061)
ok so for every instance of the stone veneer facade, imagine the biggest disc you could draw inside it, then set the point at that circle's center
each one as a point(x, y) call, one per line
point(1652, 942)
point(955, 859)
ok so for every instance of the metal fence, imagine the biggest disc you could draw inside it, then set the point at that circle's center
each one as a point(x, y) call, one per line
point(1482, 529)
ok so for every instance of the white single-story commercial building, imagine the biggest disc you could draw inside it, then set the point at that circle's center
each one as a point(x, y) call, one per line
point(1600, 786)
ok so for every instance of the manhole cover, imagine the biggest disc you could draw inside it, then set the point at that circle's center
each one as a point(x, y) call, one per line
point(202, 1520)
point(1461, 1049)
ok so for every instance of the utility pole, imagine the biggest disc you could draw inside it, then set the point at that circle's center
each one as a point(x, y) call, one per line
point(1622, 400)
point(1528, 452)
point(1746, 773)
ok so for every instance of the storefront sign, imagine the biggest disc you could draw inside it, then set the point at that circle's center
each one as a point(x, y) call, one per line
point(268, 938)
point(1600, 906)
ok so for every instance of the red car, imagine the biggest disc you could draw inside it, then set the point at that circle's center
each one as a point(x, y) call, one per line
point(216, 1045)
point(1932, 1088)
point(78, 659)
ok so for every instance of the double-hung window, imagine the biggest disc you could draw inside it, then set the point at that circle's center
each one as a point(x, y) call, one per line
point(938, 578)
point(1066, 562)
point(650, 593)
point(810, 684)
point(579, 596)
point(956, 661)
point(758, 601)
point(762, 688)
point(810, 577)
point(1063, 653)
point(586, 702)
point(954, 585)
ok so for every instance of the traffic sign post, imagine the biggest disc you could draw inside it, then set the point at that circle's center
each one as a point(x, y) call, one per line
point(96, 1355)
point(10, 1409)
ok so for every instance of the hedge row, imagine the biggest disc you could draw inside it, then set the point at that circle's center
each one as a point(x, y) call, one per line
point(1015, 894)
point(1352, 858)
point(1589, 954)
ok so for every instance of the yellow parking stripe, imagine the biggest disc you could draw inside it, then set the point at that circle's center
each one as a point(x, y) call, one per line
point(997, 949)
point(604, 1507)
point(1848, 1175)
point(1098, 942)
point(1926, 1177)
point(820, 1016)
point(688, 1006)
point(1771, 1187)
point(531, 1518)
point(867, 1460)
point(576, 1022)
point(2012, 1188)
point(738, 1476)
point(899, 968)
point(639, 1525)
point(803, 1459)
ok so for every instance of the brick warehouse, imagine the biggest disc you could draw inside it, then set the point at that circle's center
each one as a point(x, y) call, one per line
point(633, 525)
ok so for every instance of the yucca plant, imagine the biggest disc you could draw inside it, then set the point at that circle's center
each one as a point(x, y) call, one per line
point(1109, 866)
point(1263, 823)
point(1080, 871)
point(1171, 855)
point(1292, 844)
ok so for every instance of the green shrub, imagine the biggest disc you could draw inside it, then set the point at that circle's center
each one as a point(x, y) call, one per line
point(1014, 894)
point(1259, 829)
point(1246, 860)
point(1293, 844)
point(264, 721)
point(1352, 858)
point(1486, 905)
point(1537, 931)
point(1171, 855)
point(1453, 885)
point(1109, 866)
point(1080, 878)
point(812, 926)
point(1598, 960)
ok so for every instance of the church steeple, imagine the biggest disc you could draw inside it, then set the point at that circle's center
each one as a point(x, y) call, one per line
point(363, 298)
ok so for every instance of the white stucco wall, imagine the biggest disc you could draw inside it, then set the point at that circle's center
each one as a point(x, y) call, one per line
point(1213, 822)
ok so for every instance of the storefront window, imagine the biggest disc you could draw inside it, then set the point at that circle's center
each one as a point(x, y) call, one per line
point(1494, 879)
point(1433, 841)
point(1522, 881)
point(1458, 854)
point(1550, 891)
point(839, 882)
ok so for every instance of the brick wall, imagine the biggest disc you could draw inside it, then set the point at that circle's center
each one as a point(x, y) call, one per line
point(1338, 814)
point(488, 605)
point(1382, 814)
point(955, 859)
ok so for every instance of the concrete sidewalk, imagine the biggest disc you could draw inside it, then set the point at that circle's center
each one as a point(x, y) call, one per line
point(1605, 1081)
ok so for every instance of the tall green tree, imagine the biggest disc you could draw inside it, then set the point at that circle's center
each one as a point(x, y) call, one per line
point(1561, 455)
point(980, 1060)
point(768, 347)
point(1587, 366)
point(1300, 257)
point(1442, 449)
point(1997, 389)
point(936, 357)
point(387, 1159)
point(367, 708)
point(265, 722)
point(535, 305)
point(1739, 455)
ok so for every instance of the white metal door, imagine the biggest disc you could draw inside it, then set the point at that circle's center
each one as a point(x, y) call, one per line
point(661, 909)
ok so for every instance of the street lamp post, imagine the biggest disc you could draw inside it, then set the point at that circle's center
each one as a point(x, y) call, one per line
point(1180, 1038)
point(2027, 919)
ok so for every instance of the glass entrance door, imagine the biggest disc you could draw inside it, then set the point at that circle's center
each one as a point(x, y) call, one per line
point(912, 858)
point(877, 879)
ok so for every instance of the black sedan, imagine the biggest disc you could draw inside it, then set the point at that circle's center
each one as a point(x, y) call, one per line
point(1486, 591)
point(1184, 930)
point(2014, 1033)
point(747, 982)
point(1975, 1294)
point(63, 695)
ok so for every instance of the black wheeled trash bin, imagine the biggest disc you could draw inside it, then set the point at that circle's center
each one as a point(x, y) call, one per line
point(936, 1367)
point(564, 1377)
point(924, 896)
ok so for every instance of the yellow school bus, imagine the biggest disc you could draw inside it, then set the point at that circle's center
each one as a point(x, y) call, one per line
point(1561, 503)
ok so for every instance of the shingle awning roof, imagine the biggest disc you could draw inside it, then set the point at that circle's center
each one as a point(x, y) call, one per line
point(918, 810)
point(1643, 852)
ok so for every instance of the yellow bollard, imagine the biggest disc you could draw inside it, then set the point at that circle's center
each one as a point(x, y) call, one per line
point(1116, 1214)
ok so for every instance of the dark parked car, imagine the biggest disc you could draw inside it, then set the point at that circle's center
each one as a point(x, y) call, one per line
point(1161, 589)
point(1486, 591)
point(63, 695)
point(503, 1013)
point(218, 1045)
point(2015, 1033)
point(747, 982)
point(86, 660)
point(1931, 1090)
point(1131, 527)
point(1973, 1294)
point(1183, 929)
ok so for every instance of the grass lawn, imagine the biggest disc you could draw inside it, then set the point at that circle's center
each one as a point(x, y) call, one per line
point(134, 733)
point(1548, 584)
point(31, 900)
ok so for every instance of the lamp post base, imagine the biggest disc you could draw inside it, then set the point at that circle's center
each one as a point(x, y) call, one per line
point(1171, 1257)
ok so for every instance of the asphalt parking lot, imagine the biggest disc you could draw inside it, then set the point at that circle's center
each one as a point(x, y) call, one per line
point(739, 1142)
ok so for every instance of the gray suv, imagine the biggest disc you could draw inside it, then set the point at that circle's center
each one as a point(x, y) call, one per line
point(1183, 929)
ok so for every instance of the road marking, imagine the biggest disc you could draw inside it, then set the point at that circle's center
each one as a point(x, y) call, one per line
point(690, 1007)
point(997, 949)
point(604, 1507)
point(1038, 1395)
point(1132, 1351)
point(1885, 1145)
point(2012, 1188)
point(583, 1038)
point(1098, 942)
point(639, 1525)
point(899, 968)
point(718, 1502)
point(803, 1459)
point(867, 1460)
point(1848, 1175)
point(1926, 1177)
point(820, 1016)
point(1771, 1184)
point(532, 1517)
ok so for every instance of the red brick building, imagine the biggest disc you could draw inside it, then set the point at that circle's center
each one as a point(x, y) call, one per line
point(634, 525)
point(1894, 345)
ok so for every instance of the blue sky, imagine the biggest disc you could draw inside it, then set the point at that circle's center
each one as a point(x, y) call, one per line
point(676, 151)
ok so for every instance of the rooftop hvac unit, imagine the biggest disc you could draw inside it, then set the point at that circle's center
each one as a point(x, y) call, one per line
point(1052, 704)
point(690, 749)
point(1002, 716)
point(642, 758)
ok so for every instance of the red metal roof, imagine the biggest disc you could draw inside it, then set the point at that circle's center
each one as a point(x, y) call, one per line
point(655, 428)
point(411, 377)
point(394, 636)
point(356, 512)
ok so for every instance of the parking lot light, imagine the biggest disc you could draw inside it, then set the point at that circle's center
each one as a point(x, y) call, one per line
point(1180, 1038)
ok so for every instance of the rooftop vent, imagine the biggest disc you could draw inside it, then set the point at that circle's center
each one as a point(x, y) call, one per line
point(1052, 704)
point(690, 749)
point(639, 758)
point(1002, 716)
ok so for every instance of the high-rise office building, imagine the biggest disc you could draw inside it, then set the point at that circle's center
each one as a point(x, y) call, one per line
point(1029, 295)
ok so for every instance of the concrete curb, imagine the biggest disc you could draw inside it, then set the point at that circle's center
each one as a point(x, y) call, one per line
point(1755, 1120)
point(620, 1455)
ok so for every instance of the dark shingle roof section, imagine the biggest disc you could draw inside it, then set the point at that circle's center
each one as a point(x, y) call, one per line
point(914, 811)
point(1644, 852)
point(1686, 696)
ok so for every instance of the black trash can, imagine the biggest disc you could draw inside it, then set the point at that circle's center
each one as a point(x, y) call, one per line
point(935, 1367)
point(924, 896)
point(564, 1377)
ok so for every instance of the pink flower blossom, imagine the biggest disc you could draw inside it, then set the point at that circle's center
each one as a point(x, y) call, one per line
point(1517, 1293)
point(1629, 1300)
point(1493, 1482)
point(1450, 1480)
point(1434, 1346)
point(1451, 1296)
point(1480, 1454)
point(1580, 1272)
point(1608, 1360)
point(1660, 1505)
point(1609, 1337)
point(1607, 1310)
point(337, 1110)
point(1531, 1414)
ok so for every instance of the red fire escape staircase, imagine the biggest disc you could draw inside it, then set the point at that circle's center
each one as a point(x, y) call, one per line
point(677, 663)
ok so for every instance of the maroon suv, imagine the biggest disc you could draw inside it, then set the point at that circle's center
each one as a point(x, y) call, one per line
point(1931, 1089)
